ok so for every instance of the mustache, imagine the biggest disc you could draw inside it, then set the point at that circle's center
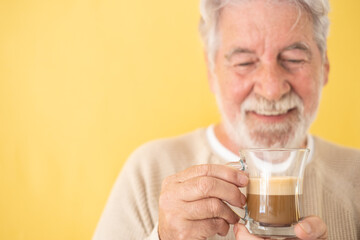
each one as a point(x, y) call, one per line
point(260, 104)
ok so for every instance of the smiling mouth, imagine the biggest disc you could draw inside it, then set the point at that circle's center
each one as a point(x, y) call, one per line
point(272, 114)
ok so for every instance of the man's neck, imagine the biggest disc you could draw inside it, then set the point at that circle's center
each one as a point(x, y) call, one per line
point(223, 138)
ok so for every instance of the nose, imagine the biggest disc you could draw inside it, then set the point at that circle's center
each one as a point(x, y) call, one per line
point(271, 82)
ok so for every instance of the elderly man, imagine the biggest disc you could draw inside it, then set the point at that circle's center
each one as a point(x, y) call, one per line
point(267, 65)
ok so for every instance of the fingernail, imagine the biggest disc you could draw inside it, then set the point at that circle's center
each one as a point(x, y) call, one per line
point(243, 200)
point(305, 226)
point(243, 179)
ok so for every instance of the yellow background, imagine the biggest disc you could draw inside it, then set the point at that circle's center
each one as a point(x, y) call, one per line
point(83, 83)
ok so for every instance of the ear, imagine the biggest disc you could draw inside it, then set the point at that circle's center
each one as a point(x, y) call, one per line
point(326, 69)
point(210, 73)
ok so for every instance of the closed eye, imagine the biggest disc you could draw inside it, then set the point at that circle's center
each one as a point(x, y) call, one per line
point(292, 64)
point(244, 64)
point(294, 60)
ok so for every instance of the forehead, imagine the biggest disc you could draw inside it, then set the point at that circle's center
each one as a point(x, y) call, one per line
point(264, 22)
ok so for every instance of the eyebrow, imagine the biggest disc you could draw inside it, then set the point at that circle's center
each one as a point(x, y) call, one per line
point(237, 51)
point(299, 46)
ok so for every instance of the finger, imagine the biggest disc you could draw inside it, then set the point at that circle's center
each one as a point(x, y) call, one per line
point(311, 228)
point(213, 226)
point(206, 187)
point(241, 233)
point(209, 208)
point(238, 166)
point(226, 173)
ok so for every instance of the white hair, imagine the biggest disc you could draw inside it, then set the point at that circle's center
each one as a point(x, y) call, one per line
point(210, 11)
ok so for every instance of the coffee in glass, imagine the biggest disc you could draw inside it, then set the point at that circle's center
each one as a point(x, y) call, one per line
point(274, 193)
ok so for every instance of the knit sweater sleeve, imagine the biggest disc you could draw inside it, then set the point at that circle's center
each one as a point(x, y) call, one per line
point(154, 234)
point(131, 210)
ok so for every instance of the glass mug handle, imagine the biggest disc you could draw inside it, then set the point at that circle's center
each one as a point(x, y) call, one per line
point(242, 166)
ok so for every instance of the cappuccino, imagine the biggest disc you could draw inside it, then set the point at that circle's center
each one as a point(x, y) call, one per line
point(274, 201)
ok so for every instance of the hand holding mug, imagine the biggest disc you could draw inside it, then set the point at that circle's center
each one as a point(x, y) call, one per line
point(192, 206)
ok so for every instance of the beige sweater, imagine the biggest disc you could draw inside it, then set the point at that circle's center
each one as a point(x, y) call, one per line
point(332, 187)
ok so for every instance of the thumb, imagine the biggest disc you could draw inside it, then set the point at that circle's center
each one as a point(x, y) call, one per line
point(311, 228)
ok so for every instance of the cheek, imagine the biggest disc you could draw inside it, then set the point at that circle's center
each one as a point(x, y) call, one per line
point(234, 90)
point(234, 93)
point(233, 87)
point(230, 85)
point(308, 89)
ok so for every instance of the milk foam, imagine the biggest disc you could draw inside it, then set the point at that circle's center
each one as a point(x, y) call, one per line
point(275, 186)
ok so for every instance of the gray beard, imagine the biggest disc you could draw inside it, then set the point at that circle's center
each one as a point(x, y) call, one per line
point(284, 135)
point(250, 134)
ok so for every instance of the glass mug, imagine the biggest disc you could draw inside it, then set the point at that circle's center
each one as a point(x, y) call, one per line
point(274, 194)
